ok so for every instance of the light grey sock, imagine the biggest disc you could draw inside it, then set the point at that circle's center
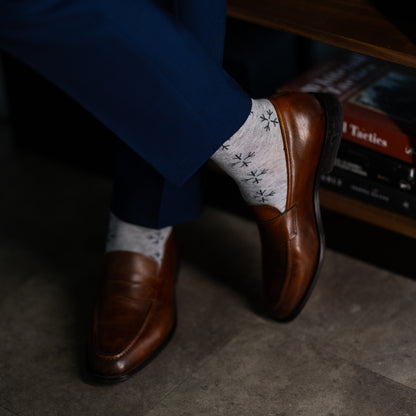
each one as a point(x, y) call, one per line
point(130, 237)
point(255, 157)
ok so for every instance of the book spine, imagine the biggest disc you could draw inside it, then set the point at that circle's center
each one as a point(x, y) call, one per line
point(376, 166)
point(372, 136)
point(368, 191)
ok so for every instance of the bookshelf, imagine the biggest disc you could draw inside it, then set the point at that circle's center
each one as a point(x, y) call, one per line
point(362, 26)
point(369, 213)
point(357, 25)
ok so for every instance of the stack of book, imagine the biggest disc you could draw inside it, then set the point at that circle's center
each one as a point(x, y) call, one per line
point(376, 160)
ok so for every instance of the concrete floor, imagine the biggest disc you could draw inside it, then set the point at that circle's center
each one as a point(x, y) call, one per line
point(351, 352)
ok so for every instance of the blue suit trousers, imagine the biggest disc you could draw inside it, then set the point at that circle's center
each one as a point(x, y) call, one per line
point(151, 72)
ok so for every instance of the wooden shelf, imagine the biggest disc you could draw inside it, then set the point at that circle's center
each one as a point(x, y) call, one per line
point(356, 25)
point(365, 212)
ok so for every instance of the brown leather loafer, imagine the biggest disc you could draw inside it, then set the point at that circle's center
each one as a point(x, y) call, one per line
point(293, 242)
point(134, 314)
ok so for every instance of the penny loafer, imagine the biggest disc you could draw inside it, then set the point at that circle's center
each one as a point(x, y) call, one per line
point(293, 241)
point(134, 314)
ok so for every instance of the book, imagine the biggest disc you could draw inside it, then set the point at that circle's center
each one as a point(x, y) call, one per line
point(370, 191)
point(376, 166)
point(378, 100)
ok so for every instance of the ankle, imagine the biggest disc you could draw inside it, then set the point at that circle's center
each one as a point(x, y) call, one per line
point(255, 157)
point(124, 236)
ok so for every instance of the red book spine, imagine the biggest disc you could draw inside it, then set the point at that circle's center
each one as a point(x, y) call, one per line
point(390, 142)
point(345, 76)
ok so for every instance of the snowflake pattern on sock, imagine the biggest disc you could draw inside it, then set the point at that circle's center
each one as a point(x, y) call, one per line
point(255, 176)
point(267, 120)
point(156, 238)
point(123, 236)
point(241, 160)
point(255, 157)
point(263, 196)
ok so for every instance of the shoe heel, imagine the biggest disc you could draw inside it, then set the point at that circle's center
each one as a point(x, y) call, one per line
point(333, 130)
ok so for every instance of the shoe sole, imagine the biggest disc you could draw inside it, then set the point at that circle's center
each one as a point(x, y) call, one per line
point(330, 146)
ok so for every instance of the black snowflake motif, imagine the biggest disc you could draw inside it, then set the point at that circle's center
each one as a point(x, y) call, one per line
point(255, 176)
point(225, 146)
point(268, 120)
point(111, 236)
point(241, 160)
point(155, 237)
point(263, 195)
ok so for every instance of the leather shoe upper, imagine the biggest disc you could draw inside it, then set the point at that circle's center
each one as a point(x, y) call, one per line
point(292, 242)
point(134, 313)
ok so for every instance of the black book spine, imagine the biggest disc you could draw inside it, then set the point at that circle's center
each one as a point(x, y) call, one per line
point(370, 191)
point(377, 167)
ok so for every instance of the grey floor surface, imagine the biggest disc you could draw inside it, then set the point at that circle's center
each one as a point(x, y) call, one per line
point(351, 352)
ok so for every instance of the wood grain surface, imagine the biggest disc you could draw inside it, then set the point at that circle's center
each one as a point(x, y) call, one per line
point(370, 27)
